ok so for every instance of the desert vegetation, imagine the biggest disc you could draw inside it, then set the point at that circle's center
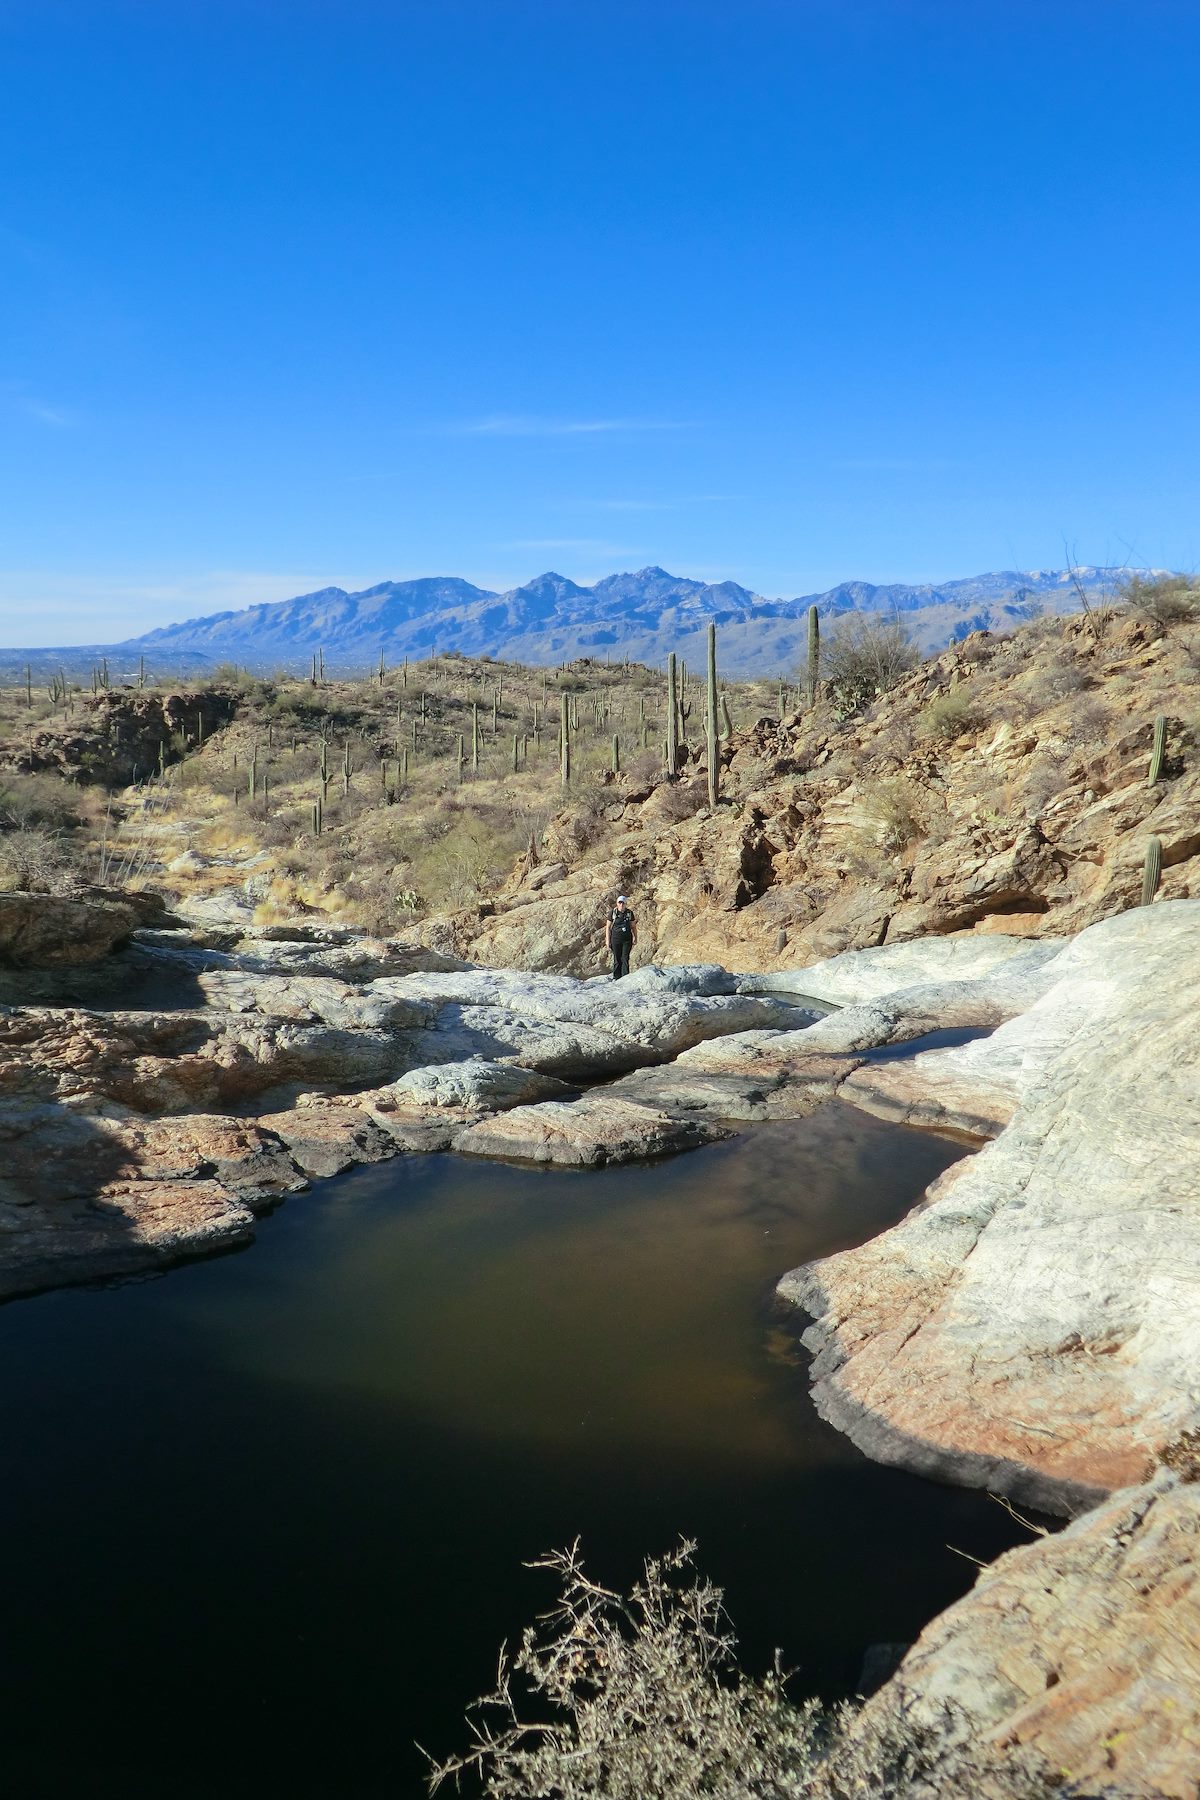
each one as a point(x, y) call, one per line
point(639, 1696)
point(375, 801)
point(426, 789)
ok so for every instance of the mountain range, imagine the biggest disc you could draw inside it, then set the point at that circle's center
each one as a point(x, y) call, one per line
point(552, 619)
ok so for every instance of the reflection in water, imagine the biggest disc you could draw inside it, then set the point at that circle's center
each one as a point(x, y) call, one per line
point(271, 1510)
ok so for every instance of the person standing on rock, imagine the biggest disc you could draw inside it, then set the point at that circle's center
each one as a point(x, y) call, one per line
point(620, 935)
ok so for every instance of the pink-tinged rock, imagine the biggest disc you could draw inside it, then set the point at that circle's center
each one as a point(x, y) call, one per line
point(1034, 1325)
point(585, 1133)
point(1083, 1648)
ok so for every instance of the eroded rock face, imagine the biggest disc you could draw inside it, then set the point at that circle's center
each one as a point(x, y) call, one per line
point(1083, 1647)
point(1033, 1326)
point(1030, 819)
point(54, 931)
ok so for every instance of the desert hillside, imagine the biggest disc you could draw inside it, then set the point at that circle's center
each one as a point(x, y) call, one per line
point(1001, 786)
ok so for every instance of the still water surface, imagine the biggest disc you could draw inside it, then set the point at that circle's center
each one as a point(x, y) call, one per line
point(264, 1519)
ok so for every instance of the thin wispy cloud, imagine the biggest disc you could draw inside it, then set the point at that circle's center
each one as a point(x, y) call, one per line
point(533, 425)
point(583, 546)
point(659, 505)
point(893, 465)
point(59, 418)
point(18, 398)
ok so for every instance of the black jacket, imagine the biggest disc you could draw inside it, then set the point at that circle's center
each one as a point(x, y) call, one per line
point(620, 923)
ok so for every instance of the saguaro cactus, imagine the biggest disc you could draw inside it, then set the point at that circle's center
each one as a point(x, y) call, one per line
point(712, 731)
point(565, 741)
point(616, 754)
point(475, 736)
point(1159, 750)
point(672, 715)
point(1152, 872)
point(814, 654)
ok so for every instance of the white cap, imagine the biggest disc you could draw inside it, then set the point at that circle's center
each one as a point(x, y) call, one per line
point(620, 896)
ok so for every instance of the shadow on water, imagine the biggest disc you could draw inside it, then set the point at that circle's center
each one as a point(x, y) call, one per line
point(266, 1519)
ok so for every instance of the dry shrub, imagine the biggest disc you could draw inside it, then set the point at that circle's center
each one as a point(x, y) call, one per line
point(895, 809)
point(680, 800)
point(864, 657)
point(36, 861)
point(33, 800)
point(1163, 600)
point(951, 715)
point(1057, 679)
point(1044, 782)
point(640, 1698)
point(1089, 721)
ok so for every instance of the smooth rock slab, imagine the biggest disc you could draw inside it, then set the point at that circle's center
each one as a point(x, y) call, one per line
point(586, 1133)
point(130, 1228)
point(1034, 1325)
point(471, 1086)
point(1084, 1647)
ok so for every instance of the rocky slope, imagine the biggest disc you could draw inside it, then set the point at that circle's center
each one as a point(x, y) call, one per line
point(1002, 787)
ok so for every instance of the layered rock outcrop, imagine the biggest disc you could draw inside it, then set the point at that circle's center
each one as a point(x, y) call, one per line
point(134, 1136)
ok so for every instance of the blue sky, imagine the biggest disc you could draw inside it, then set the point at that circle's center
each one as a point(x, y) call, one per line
point(305, 292)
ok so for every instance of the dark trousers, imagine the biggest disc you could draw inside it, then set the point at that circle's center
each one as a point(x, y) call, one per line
point(621, 947)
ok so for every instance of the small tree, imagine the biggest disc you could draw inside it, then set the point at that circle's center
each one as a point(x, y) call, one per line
point(863, 657)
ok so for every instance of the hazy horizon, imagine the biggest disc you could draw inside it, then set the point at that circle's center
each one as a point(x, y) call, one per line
point(781, 294)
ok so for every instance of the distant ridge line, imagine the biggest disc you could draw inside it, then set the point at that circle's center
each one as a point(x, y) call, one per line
point(640, 614)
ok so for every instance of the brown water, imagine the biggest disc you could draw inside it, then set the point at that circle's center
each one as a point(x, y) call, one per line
point(264, 1519)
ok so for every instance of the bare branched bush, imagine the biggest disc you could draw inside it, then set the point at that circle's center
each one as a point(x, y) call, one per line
point(640, 1697)
point(865, 657)
point(1057, 680)
point(1163, 600)
point(31, 800)
point(1089, 722)
point(680, 800)
point(36, 861)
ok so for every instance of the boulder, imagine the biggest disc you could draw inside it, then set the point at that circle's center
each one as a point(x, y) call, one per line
point(586, 1133)
point(70, 930)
